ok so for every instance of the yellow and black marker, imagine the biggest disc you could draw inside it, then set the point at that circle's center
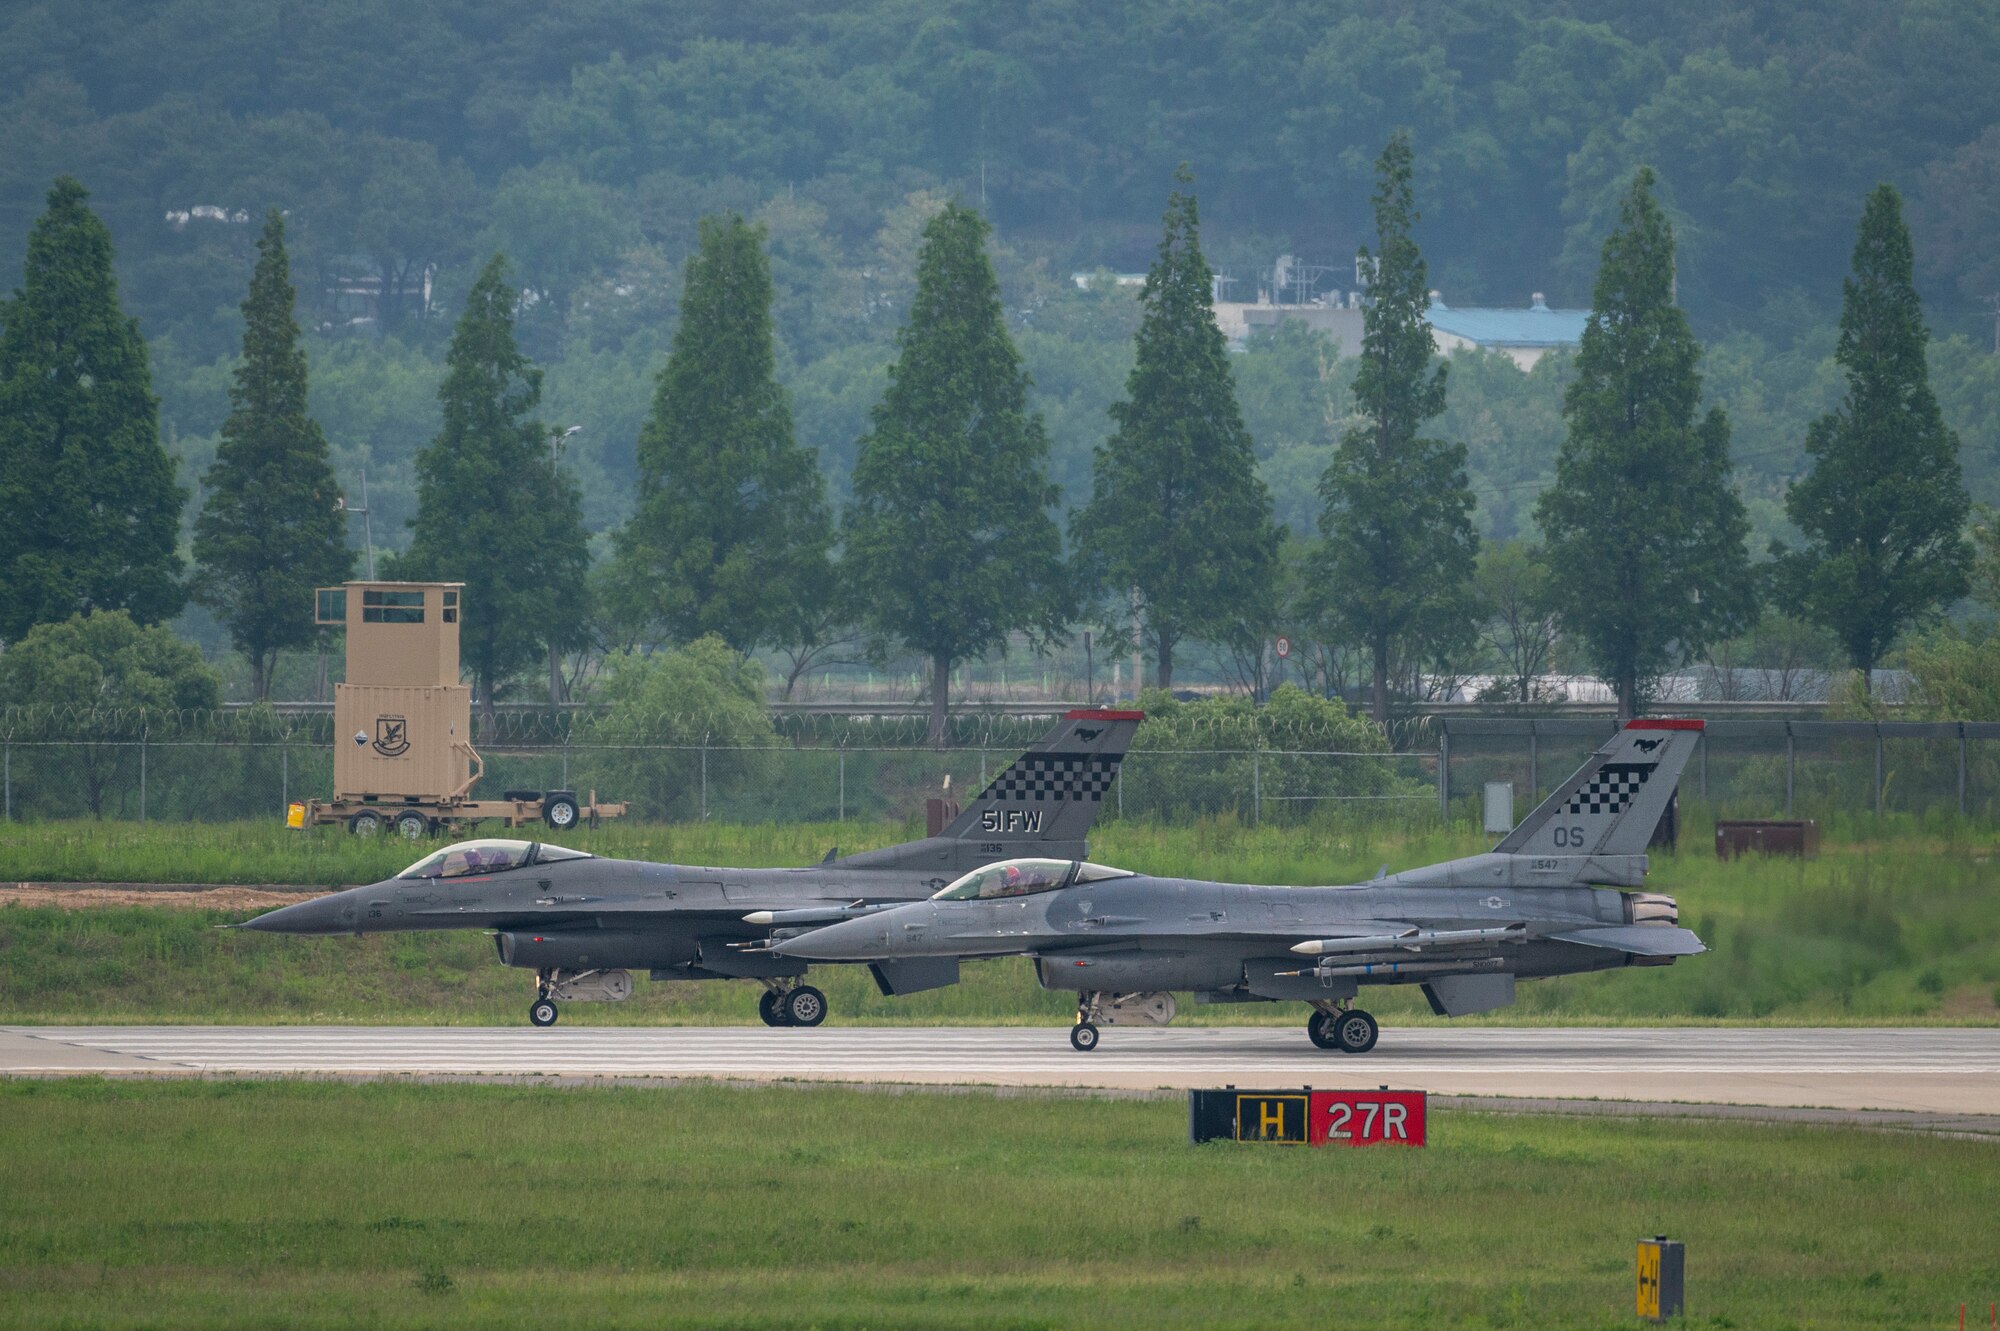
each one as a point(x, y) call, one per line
point(1662, 1276)
point(1264, 1117)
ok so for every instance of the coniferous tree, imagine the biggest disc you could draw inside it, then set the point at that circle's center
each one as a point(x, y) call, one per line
point(492, 509)
point(950, 541)
point(269, 531)
point(89, 511)
point(1884, 507)
point(1644, 534)
point(1178, 517)
point(1400, 549)
point(731, 532)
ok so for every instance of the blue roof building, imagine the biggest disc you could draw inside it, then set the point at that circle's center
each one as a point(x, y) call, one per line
point(1524, 335)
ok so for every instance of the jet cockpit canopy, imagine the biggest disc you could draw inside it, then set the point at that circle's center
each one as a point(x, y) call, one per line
point(489, 855)
point(1019, 878)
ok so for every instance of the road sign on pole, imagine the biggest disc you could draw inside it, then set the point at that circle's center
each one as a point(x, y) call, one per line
point(1284, 647)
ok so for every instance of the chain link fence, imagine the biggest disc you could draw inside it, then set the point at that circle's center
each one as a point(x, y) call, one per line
point(226, 767)
point(160, 767)
point(1752, 768)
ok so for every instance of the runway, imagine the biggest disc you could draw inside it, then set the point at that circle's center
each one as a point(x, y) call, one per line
point(1930, 1070)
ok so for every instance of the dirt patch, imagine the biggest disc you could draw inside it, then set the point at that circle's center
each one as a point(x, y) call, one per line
point(1971, 1000)
point(97, 896)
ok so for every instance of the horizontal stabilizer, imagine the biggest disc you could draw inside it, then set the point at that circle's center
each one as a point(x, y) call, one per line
point(1641, 940)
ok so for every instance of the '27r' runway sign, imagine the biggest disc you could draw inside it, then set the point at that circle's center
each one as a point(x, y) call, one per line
point(1306, 1117)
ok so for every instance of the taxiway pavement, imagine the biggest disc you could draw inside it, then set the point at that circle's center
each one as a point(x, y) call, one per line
point(1930, 1070)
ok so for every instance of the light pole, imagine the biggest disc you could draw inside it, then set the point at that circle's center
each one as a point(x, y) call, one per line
point(557, 438)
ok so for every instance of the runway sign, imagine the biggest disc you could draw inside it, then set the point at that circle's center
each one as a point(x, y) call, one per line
point(1662, 1268)
point(1306, 1117)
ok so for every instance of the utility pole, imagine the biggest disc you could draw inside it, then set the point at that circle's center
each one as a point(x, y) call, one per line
point(367, 528)
point(1138, 647)
point(557, 438)
point(1994, 301)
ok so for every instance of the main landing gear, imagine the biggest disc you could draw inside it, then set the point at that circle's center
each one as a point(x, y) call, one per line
point(798, 1005)
point(1345, 1031)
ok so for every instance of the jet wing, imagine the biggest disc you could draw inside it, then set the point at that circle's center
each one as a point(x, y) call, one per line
point(1644, 940)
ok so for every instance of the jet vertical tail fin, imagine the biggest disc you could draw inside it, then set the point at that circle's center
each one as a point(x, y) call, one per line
point(1043, 803)
point(1616, 799)
point(1052, 792)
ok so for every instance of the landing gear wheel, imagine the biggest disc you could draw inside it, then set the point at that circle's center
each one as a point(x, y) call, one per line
point(804, 1006)
point(1319, 1029)
point(1355, 1031)
point(560, 812)
point(1083, 1037)
point(411, 825)
point(542, 1013)
point(770, 1006)
point(366, 823)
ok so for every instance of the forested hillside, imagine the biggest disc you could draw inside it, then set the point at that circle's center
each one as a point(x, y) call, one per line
point(407, 142)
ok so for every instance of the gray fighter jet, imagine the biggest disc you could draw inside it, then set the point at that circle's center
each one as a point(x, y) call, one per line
point(1552, 898)
point(584, 923)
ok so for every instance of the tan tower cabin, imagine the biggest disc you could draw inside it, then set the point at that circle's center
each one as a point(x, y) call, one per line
point(402, 722)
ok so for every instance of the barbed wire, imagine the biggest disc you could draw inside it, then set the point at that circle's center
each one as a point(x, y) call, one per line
point(577, 728)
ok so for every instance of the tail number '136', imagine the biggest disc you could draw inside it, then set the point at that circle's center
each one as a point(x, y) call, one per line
point(1569, 837)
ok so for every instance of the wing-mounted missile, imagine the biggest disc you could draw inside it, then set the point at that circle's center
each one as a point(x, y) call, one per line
point(1413, 940)
point(1336, 966)
point(853, 910)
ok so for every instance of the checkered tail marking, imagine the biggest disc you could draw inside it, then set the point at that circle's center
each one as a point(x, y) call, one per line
point(1040, 777)
point(1612, 788)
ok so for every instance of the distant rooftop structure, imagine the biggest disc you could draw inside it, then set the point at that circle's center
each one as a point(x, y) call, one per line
point(1524, 335)
point(1083, 280)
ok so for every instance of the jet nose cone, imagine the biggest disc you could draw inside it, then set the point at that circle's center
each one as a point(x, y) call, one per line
point(335, 913)
point(851, 940)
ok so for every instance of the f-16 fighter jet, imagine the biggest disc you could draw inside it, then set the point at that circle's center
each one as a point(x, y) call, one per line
point(1552, 898)
point(583, 923)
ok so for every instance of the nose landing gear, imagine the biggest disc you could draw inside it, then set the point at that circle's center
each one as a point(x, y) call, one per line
point(542, 1012)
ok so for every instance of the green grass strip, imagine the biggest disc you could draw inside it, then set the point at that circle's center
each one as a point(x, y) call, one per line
point(322, 1204)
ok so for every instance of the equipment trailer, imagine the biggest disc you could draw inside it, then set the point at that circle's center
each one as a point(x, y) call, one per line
point(404, 759)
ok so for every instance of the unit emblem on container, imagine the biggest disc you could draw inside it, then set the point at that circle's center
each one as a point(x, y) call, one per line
point(392, 736)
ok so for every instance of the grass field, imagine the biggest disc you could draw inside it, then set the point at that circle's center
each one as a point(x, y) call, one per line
point(221, 1204)
point(1894, 922)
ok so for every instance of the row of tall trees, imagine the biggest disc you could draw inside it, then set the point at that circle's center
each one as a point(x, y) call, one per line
point(950, 543)
point(1645, 535)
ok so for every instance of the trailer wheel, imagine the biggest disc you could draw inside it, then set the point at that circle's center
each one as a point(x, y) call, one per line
point(560, 811)
point(411, 825)
point(366, 823)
